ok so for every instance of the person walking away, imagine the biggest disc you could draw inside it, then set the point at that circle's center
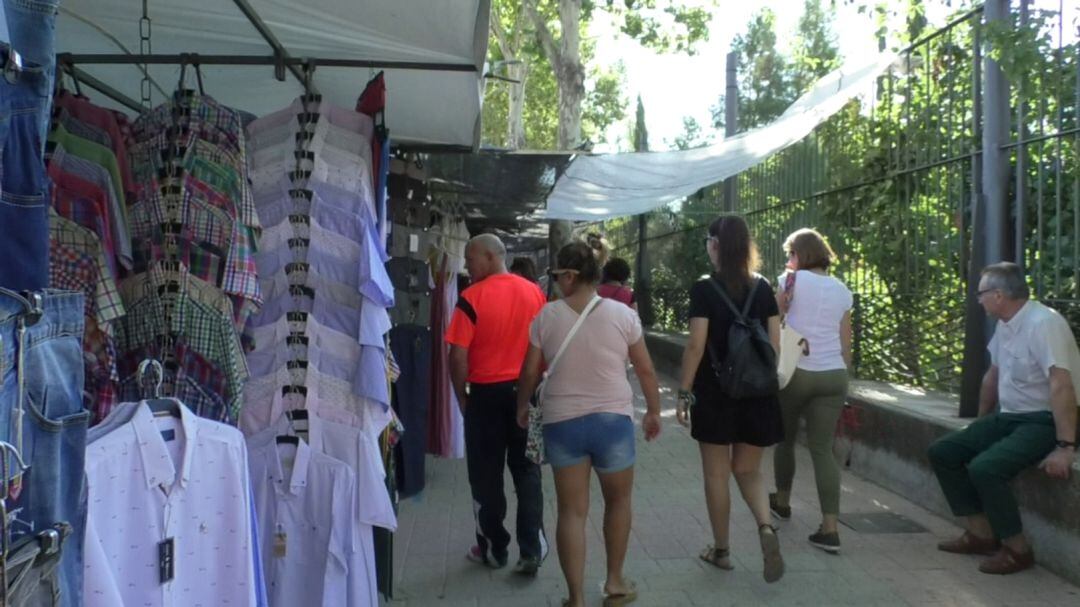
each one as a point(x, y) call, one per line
point(1033, 382)
point(588, 413)
point(818, 307)
point(488, 337)
point(525, 268)
point(613, 283)
point(732, 433)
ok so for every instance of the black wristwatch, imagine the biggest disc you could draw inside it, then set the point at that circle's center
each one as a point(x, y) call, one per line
point(1064, 444)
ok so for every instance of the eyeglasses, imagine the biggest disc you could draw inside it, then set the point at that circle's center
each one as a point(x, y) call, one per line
point(557, 273)
point(979, 294)
point(708, 239)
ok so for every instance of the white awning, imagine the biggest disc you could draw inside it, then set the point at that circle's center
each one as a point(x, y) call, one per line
point(615, 185)
point(424, 106)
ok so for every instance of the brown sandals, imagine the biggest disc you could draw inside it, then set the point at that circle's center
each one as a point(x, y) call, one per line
point(717, 557)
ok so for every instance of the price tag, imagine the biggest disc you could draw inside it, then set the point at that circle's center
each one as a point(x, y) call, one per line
point(280, 545)
point(166, 560)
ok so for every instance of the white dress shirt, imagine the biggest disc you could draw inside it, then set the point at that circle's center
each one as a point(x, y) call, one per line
point(1024, 349)
point(307, 525)
point(335, 433)
point(156, 478)
point(265, 402)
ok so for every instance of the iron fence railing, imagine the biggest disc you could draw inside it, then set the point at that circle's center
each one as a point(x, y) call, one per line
point(890, 181)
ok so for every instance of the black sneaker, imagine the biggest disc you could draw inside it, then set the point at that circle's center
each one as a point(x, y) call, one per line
point(829, 542)
point(529, 565)
point(781, 512)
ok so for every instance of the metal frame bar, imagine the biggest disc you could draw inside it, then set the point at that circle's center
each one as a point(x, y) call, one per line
point(241, 60)
point(101, 87)
point(271, 39)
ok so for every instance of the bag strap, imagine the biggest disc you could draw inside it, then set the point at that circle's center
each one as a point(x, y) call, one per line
point(741, 316)
point(573, 330)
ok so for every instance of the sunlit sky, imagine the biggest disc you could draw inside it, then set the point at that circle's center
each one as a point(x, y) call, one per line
point(675, 85)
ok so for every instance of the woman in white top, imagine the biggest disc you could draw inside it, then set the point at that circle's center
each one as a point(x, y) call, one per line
point(817, 306)
point(588, 412)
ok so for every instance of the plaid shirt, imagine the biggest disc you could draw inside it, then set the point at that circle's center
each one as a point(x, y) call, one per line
point(60, 161)
point(84, 203)
point(83, 129)
point(199, 109)
point(149, 283)
point(77, 263)
point(213, 247)
point(195, 381)
point(208, 332)
point(217, 166)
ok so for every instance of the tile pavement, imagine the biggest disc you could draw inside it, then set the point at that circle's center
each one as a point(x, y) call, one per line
point(671, 528)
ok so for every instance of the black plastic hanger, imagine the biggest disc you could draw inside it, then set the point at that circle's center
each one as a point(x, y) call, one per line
point(287, 439)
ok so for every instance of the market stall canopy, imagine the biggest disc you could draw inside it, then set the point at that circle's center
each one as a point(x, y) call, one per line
point(434, 102)
point(615, 185)
point(500, 191)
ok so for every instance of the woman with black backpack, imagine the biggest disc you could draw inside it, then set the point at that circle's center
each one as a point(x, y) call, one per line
point(728, 392)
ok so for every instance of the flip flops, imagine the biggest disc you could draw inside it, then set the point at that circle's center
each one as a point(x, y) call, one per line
point(625, 598)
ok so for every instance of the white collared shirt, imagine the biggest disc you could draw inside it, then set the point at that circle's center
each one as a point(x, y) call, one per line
point(152, 479)
point(1024, 349)
point(307, 525)
point(336, 433)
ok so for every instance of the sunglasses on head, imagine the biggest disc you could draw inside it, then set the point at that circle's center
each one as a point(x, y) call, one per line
point(557, 273)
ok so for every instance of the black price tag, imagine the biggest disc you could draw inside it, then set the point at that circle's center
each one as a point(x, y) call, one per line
point(166, 561)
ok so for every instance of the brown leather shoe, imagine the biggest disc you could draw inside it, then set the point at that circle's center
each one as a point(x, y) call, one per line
point(1008, 561)
point(970, 544)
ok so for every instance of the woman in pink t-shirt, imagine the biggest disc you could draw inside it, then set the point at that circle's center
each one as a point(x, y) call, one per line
point(588, 411)
point(613, 284)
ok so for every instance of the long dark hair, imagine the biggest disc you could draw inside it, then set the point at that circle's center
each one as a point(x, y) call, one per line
point(737, 254)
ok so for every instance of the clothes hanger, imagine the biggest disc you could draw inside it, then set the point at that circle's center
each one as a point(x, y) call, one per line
point(159, 406)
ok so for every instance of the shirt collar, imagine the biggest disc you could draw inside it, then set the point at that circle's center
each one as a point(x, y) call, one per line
point(157, 463)
point(298, 479)
point(1017, 320)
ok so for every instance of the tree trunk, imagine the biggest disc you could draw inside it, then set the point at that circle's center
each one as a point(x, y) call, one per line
point(570, 76)
point(516, 127)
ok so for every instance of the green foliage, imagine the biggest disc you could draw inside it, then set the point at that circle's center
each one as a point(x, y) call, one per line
point(664, 25)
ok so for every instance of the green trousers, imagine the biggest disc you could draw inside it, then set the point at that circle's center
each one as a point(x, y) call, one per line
point(817, 396)
point(975, 465)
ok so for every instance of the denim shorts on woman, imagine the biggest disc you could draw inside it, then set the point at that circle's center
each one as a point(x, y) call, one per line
point(607, 439)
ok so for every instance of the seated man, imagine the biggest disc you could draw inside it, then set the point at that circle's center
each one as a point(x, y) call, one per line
point(1033, 378)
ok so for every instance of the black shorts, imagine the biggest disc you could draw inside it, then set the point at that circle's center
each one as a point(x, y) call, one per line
point(719, 420)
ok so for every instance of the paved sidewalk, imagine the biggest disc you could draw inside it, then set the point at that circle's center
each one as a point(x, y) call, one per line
point(671, 528)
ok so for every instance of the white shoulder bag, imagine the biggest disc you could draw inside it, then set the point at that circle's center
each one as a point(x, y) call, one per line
point(534, 446)
point(793, 345)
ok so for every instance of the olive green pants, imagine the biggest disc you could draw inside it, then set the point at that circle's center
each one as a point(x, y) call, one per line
point(817, 396)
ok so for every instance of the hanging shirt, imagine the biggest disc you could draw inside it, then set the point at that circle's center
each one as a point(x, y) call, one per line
point(99, 176)
point(181, 483)
point(95, 153)
point(270, 396)
point(306, 520)
point(103, 119)
point(335, 433)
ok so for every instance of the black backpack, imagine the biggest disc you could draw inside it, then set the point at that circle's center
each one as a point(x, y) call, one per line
point(749, 369)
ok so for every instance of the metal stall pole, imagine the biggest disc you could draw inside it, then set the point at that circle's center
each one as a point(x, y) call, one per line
point(990, 177)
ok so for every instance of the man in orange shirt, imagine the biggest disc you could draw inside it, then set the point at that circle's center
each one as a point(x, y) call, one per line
point(488, 337)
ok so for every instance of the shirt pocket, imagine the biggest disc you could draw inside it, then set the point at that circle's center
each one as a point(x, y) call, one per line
point(1023, 368)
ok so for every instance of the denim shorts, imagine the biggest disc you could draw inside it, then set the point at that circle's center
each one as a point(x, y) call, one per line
point(605, 439)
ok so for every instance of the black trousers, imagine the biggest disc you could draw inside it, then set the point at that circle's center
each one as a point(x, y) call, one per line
point(494, 440)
